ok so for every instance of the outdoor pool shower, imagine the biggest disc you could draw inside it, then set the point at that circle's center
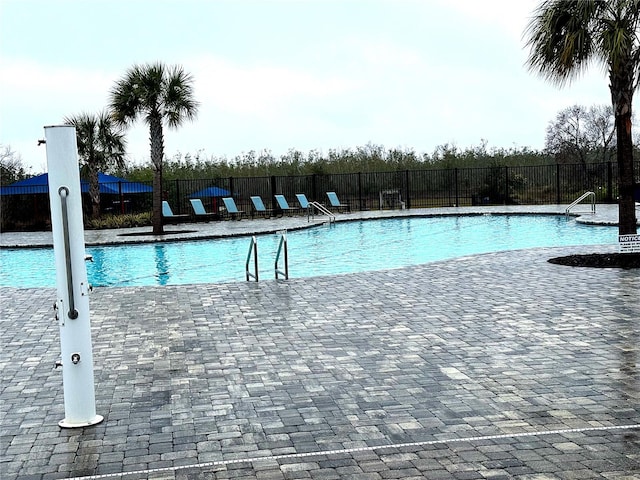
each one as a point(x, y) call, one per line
point(72, 287)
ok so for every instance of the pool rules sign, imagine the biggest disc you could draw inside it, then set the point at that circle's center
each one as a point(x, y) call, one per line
point(72, 303)
point(629, 243)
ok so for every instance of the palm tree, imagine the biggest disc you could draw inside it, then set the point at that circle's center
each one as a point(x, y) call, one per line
point(565, 36)
point(101, 144)
point(160, 95)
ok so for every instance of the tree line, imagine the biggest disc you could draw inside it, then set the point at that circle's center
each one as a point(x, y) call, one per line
point(365, 159)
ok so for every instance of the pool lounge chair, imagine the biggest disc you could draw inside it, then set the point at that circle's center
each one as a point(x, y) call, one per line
point(284, 205)
point(335, 202)
point(303, 201)
point(259, 208)
point(169, 217)
point(232, 209)
point(199, 211)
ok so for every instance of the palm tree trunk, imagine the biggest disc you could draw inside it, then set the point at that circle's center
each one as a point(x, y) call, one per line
point(157, 152)
point(94, 192)
point(626, 176)
point(622, 86)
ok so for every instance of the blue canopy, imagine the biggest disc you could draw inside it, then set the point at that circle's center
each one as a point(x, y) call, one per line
point(108, 184)
point(212, 191)
point(117, 185)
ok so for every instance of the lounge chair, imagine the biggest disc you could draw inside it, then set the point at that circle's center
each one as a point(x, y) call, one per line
point(258, 206)
point(232, 209)
point(199, 211)
point(168, 215)
point(335, 202)
point(284, 205)
point(302, 200)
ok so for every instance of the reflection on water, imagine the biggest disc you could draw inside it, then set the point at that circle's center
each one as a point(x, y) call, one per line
point(162, 265)
point(97, 267)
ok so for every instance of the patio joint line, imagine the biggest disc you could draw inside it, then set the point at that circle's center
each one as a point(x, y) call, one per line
point(346, 451)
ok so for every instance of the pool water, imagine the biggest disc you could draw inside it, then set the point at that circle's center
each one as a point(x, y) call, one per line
point(340, 248)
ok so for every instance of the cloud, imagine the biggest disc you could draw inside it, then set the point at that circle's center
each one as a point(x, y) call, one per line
point(511, 17)
point(30, 83)
point(262, 89)
point(36, 94)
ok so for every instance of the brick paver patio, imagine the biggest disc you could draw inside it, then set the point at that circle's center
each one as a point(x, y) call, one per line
point(494, 366)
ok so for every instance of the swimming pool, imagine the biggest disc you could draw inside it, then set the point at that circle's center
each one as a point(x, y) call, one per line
point(341, 248)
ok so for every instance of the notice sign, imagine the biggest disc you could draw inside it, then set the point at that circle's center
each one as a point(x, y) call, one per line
point(629, 243)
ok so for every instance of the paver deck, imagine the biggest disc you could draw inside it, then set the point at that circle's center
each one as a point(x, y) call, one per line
point(492, 366)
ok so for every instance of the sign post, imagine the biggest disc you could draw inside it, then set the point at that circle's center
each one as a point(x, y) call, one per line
point(72, 303)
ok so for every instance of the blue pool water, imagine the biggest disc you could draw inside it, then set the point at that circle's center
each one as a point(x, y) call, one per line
point(342, 248)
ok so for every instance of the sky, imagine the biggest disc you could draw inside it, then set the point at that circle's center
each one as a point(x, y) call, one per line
point(287, 74)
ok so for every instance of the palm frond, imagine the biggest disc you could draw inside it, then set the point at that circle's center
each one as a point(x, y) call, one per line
point(101, 142)
point(560, 39)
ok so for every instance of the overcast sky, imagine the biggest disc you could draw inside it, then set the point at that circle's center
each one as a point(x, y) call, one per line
point(280, 75)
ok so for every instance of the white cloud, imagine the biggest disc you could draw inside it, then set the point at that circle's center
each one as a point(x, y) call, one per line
point(260, 90)
point(509, 16)
point(35, 95)
point(30, 83)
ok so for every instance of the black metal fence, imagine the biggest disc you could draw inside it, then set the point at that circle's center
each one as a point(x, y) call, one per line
point(547, 184)
point(526, 185)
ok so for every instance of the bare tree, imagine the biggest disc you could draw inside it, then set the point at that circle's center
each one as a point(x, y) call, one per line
point(579, 134)
point(11, 167)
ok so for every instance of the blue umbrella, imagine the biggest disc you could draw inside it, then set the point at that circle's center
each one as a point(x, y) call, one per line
point(212, 191)
point(117, 185)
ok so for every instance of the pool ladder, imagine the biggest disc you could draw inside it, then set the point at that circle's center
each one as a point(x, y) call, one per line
point(253, 253)
point(581, 198)
point(253, 250)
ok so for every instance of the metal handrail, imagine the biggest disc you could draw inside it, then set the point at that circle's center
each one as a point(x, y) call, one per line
point(282, 246)
point(322, 209)
point(253, 248)
point(580, 198)
point(64, 193)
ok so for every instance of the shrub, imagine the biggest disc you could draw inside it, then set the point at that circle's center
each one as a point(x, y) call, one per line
point(120, 221)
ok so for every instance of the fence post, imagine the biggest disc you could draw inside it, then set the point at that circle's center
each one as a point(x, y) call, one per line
point(558, 184)
point(314, 187)
point(506, 185)
point(609, 182)
point(408, 199)
point(274, 206)
point(360, 191)
point(456, 187)
point(121, 197)
point(178, 202)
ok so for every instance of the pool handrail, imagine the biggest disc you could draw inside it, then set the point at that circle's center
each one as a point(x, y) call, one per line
point(322, 209)
point(579, 199)
point(253, 249)
point(64, 193)
point(282, 246)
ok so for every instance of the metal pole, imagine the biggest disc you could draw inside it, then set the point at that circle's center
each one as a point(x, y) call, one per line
point(72, 304)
